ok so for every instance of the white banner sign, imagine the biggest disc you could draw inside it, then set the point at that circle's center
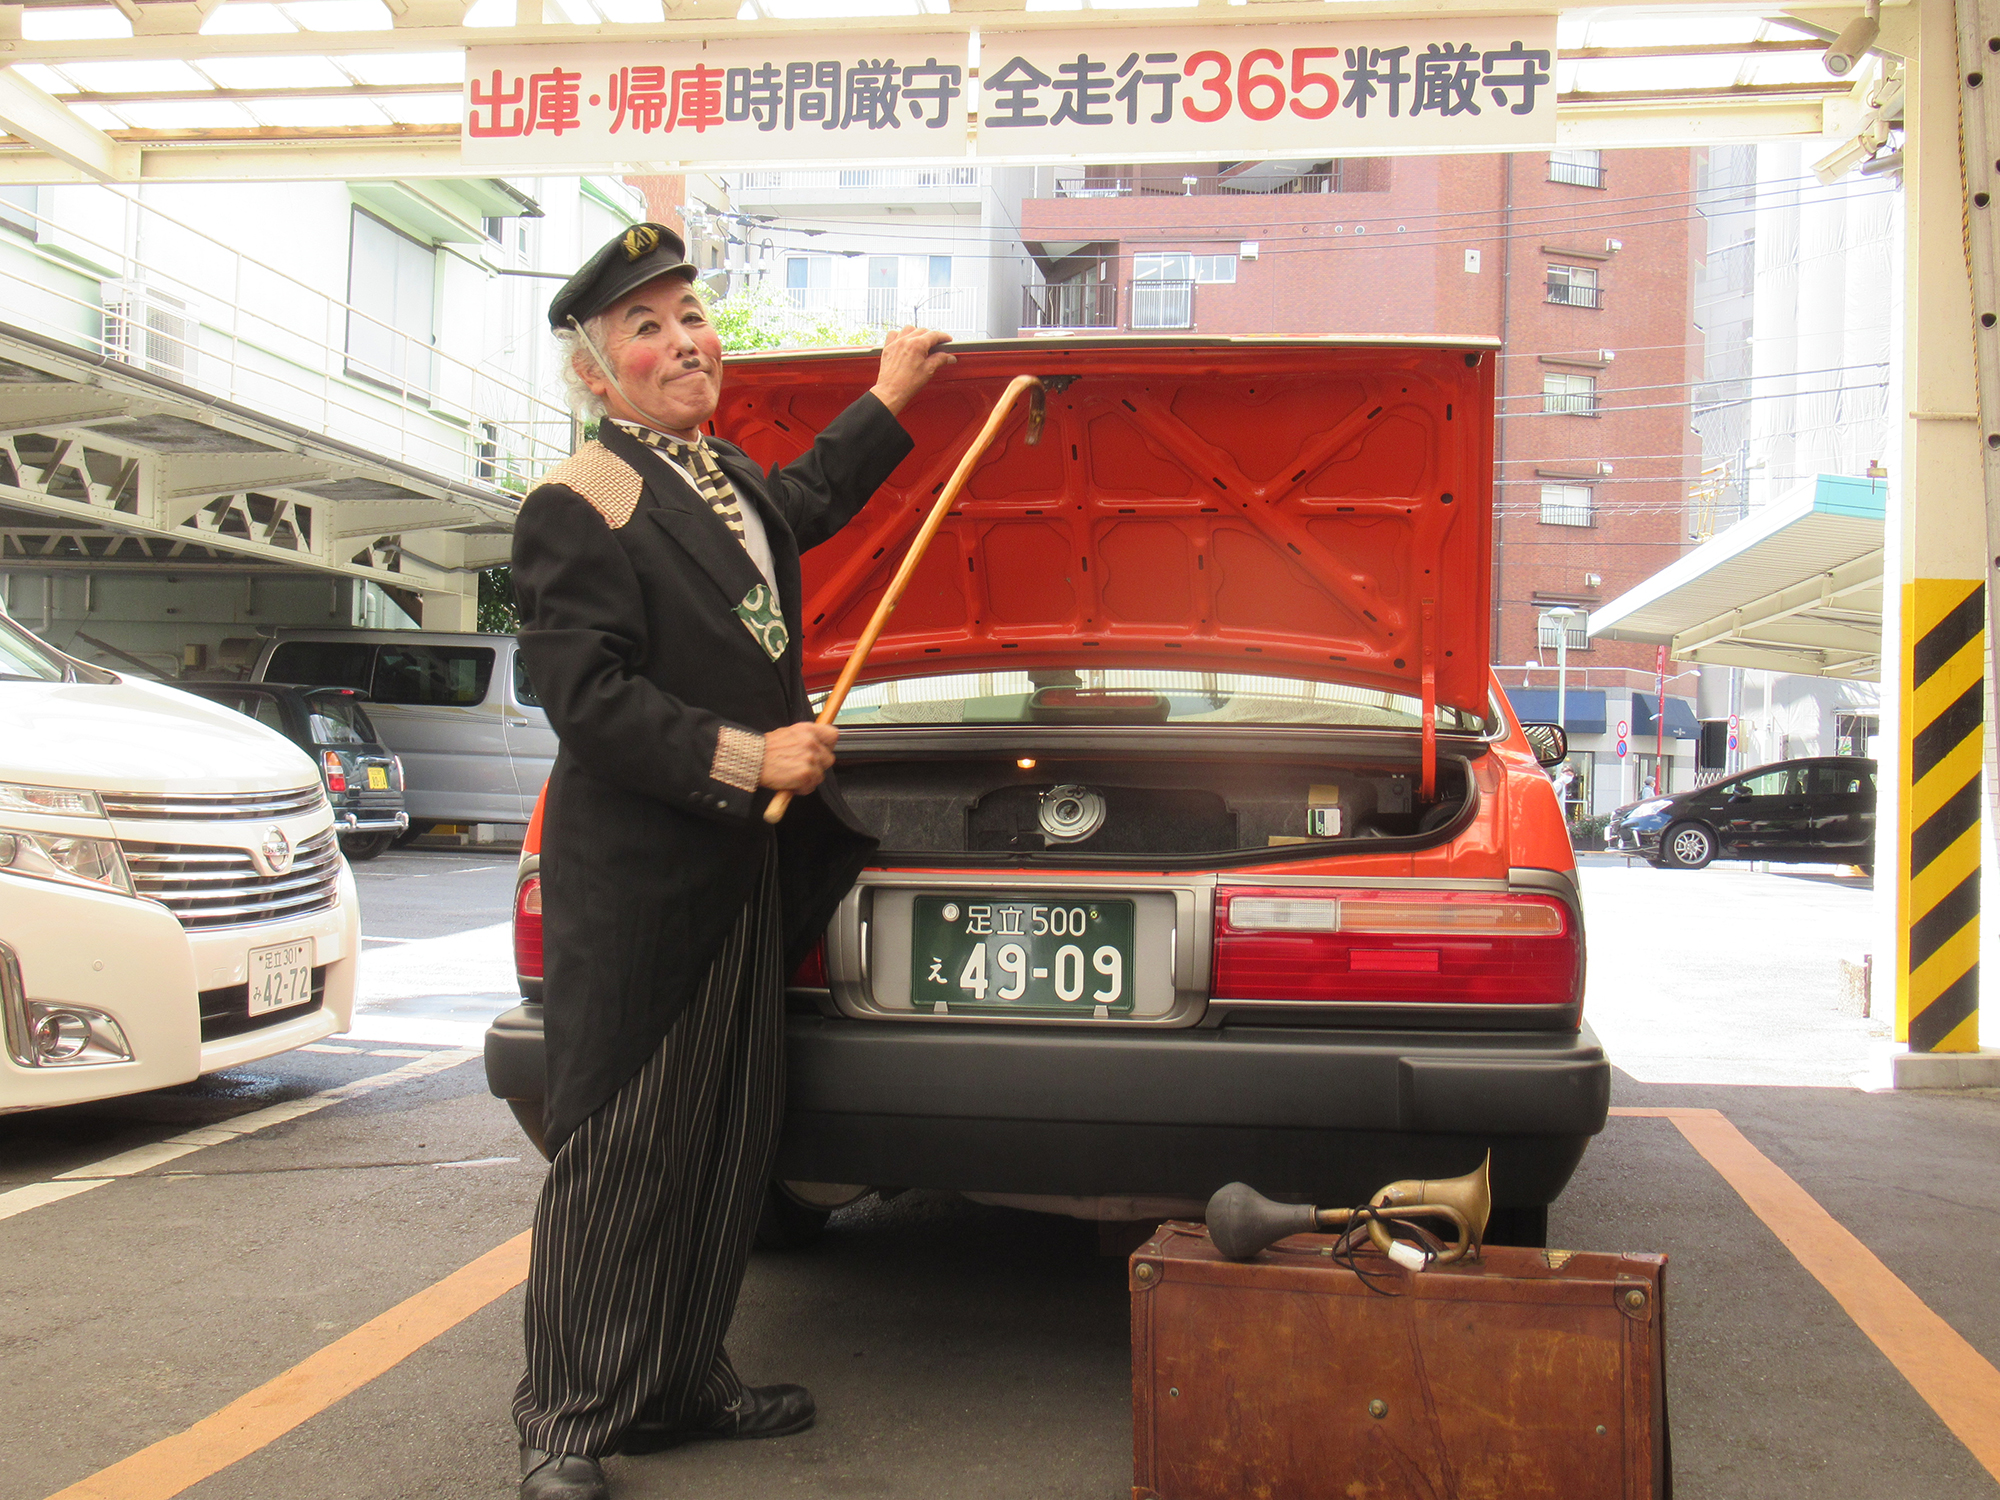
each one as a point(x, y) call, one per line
point(1165, 93)
point(1330, 89)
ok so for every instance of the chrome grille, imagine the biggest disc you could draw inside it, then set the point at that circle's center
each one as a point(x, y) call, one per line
point(216, 807)
point(209, 887)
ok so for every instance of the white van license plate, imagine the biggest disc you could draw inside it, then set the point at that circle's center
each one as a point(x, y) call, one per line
point(280, 977)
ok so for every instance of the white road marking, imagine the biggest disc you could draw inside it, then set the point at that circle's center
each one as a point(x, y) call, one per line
point(397, 1052)
point(144, 1158)
point(327, 1047)
point(440, 991)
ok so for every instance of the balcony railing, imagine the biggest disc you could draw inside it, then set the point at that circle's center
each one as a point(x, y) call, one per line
point(1160, 304)
point(1579, 636)
point(200, 312)
point(858, 179)
point(1572, 294)
point(1070, 304)
point(955, 309)
point(1570, 403)
point(1567, 515)
point(1146, 304)
point(1581, 174)
point(1212, 184)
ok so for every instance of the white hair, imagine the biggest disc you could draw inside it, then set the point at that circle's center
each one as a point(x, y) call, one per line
point(585, 402)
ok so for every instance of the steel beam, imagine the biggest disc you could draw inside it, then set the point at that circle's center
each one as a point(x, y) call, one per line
point(44, 123)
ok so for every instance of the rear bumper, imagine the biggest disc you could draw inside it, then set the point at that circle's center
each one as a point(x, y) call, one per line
point(370, 821)
point(1331, 1115)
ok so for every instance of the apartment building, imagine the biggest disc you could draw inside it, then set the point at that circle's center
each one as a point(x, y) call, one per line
point(234, 408)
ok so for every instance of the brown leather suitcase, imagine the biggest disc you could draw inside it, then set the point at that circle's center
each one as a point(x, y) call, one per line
point(1525, 1374)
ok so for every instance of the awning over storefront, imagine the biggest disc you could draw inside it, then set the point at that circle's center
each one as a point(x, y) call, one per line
point(1796, 587)
point(1681, 722)
point(1583, 708)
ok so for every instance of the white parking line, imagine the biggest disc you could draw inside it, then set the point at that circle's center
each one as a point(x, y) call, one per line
point(144, 1158)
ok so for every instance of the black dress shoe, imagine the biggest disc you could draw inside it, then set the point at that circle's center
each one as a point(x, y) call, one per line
point(561, 1476)
point(762, 1411)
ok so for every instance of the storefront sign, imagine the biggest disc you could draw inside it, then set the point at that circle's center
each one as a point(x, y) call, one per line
point(1195, 93)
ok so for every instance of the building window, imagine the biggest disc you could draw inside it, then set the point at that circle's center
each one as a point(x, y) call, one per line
point(495, 229)
point(18, 207)
point(1573, 286)
point(1566, 505)
point(392, 287)
point(1549, 629)
point(807, 278)
point(1572, 395)
point(1583, 168)
point(940, 270)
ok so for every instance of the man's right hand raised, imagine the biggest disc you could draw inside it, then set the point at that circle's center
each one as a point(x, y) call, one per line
point(797, 757)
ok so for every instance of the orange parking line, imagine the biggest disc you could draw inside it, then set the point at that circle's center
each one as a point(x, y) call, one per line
point(1958, 1383)
point(266, 1414)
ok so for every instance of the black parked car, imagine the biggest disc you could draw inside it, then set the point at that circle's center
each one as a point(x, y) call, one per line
point(363, 777)
point(1798, 811)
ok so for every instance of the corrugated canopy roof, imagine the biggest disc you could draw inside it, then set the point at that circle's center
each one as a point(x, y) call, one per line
point(1797, 587)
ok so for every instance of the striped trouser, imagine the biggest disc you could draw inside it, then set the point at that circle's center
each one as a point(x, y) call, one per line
point(645, 1222)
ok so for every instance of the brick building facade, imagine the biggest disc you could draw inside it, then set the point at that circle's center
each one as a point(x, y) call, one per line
point(1581, 264)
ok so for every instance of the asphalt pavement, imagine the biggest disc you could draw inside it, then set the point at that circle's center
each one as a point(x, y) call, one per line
point(957, 1350)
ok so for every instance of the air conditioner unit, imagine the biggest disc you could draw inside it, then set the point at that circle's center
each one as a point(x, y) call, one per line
point(149, 329)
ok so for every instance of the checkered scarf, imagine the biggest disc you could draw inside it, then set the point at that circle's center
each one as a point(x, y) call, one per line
point(709, 480)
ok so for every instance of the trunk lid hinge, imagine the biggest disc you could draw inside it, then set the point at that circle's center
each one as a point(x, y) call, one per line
point(1427, 646)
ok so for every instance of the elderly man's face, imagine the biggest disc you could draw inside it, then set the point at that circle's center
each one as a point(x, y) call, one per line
point(667, 355)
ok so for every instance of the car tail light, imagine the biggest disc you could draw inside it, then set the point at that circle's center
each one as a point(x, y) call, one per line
point(336, 773)
point(528, 928)
point(811, 972)
point(1396, 947)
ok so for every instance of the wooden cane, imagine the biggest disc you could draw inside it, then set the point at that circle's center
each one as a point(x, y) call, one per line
point(858, 658)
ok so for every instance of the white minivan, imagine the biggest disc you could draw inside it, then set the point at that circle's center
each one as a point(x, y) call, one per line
point(172, 894)
point(458, 709)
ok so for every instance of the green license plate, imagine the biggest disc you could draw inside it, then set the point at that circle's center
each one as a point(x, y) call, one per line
point(1052, 956)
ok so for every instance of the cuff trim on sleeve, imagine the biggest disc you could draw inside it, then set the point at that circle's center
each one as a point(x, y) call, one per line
point(739, 758)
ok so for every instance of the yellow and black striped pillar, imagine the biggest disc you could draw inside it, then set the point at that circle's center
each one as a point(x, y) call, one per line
point(1944, 716)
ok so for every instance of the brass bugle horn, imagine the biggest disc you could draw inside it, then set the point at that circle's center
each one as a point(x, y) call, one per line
point(1242, 1221)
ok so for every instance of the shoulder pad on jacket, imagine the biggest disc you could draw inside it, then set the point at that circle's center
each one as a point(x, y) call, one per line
point(607, 481)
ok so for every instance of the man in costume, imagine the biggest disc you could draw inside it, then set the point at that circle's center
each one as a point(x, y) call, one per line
point(657, 572)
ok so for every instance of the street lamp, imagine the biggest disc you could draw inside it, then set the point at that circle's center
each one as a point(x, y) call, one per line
point(1562, 614)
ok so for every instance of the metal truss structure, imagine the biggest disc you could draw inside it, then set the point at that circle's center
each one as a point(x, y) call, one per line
point(104, 465)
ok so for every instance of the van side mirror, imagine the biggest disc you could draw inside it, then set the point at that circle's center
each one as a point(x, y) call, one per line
point(1550, 742)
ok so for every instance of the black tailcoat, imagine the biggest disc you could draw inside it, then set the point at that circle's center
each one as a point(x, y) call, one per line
point(652, 836)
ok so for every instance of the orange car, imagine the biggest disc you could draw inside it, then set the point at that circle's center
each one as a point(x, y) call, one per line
point(1209, 848)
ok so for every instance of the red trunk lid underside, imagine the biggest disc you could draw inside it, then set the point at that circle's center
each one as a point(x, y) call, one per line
point(1285, 508)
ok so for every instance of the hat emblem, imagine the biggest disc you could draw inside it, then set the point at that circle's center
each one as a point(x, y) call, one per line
point(641, 239)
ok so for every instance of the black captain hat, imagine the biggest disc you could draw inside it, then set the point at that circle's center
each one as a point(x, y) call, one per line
point(628, 262)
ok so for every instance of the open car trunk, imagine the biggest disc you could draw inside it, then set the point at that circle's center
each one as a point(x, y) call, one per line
point(1145, 794)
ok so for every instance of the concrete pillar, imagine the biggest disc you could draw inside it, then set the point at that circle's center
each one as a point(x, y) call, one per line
point(1938, 663)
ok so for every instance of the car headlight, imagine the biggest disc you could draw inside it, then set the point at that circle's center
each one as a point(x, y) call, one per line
point(61, 801)
point(1647, 809)
point(57, 856)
